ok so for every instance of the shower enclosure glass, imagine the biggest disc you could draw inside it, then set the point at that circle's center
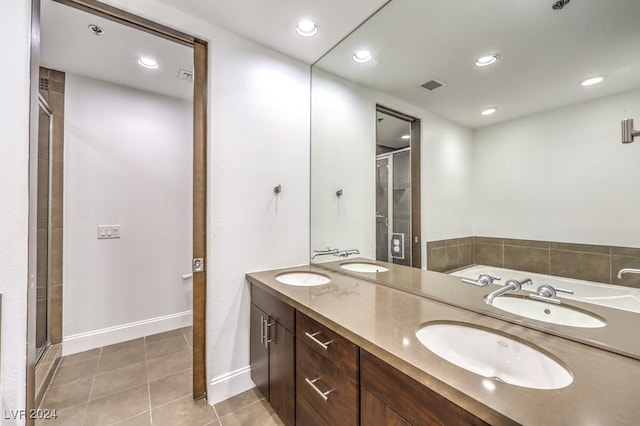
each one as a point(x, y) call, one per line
point(43, 208)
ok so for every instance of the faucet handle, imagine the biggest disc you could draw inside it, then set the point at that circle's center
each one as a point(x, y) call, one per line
point(324, 250)
point(545, 298)
point(482, 281)
point(564, 290)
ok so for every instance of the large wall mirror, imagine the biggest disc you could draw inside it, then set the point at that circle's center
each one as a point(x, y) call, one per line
point(522, 165)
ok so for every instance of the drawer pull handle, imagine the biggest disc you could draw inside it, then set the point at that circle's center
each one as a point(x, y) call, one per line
point(324, 345)
point(323, 395)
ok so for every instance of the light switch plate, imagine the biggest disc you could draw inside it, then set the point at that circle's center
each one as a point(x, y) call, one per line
point(108, 232)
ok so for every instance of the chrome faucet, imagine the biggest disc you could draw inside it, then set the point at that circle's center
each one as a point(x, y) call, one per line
point(511, 285)
point(627, 271)
point(325, 251)
point(347, 253)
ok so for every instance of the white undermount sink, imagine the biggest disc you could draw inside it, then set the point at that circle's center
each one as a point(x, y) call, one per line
point(303, 278)
point(494, 355)
point(363, 267)
point(547, 312)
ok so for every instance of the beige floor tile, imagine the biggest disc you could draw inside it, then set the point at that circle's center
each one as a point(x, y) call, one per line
point(162, 336)
point(171, 388)
point(69, 417)
point(257, 414)
point(118, 407)
point(167, 365)
point(80, 356)
point(167, 346)
point(184, 411)
point(121, 359)
point(68, 395)
point(71, 373)
point(237, 402)
point(119, 380)
point(143, 419)
point(123, 346)
point(188, 333)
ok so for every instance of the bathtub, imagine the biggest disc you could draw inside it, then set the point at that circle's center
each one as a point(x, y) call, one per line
point(618, 297)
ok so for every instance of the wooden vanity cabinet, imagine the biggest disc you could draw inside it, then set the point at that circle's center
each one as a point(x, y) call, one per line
point(272, 352)
point(327, 376)
point(390, 397)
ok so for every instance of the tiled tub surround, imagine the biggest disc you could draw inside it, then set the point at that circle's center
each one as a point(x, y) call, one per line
point(580, 261)
point(382, 321)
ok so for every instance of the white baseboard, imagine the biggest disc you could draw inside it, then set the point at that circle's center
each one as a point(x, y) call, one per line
point(121, 333)
point(230, 384)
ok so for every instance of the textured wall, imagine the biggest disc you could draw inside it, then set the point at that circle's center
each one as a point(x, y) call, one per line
point(128, 161)
point(14, 151)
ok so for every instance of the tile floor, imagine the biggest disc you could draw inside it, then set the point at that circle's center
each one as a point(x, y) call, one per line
point(142, 382)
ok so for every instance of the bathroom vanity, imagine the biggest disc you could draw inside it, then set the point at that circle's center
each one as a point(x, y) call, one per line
point(358, 361)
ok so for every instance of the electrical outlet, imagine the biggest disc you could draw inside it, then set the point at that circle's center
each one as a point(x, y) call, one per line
point(108, 232)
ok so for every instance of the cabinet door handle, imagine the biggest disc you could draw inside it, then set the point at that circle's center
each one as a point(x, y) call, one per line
point(262, 329)
point(267, 337)
point(324, 345)
point(312, 383)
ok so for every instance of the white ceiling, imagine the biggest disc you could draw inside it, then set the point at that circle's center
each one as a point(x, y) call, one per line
point(544, 54)
point(271, 22)
point(68, 45)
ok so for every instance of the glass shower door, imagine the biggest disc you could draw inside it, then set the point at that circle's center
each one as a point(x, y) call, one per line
point(43, 209)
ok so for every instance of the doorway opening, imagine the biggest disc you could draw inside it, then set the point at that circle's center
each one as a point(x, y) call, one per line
point(397, 188)
point(195, 77)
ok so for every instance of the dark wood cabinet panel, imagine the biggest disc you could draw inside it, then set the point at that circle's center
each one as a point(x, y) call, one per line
point(282, 373)
point(306, 415)
point(259, 352)
point(342, 404)
point(276, 308)
point(339, 351)
point(416, 403)
point(374, 413)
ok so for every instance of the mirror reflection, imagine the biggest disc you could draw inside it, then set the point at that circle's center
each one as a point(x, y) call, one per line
point(522, 167)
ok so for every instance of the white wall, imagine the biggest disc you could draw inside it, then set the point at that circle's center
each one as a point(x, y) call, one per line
point(259, 138)
point(15, 25)
point(128, 162)
point(343, 149)
point(561, 175)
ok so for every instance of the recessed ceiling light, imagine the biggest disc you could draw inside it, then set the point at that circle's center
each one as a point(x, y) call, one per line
point(306, 28)
point(405, 137)
point(486, 60)
point(489, 111)
point(95, 29)
point(362, 56)
point(593, 80)
point(145, 61)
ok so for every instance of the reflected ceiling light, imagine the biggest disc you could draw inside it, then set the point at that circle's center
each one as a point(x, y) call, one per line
point(489, 111)
point(306, 28)
point(405, 137)
point(96, 29)
point(362, 56)
point(593, 80)
point(145, 61)
point(486, 60)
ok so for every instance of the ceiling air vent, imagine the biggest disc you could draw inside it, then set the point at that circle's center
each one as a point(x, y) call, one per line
point(185, 75)
point(432, 85)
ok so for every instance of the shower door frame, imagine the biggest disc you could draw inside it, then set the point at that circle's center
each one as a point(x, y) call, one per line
point(416, 208)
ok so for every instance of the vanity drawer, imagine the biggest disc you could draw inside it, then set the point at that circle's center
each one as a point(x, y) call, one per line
point(329, 344)
point(333, 395)
point(274, 307)
point(306, 415)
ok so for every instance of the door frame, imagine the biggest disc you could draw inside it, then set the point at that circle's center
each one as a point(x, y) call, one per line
point(416, 218)
point(200, 101)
